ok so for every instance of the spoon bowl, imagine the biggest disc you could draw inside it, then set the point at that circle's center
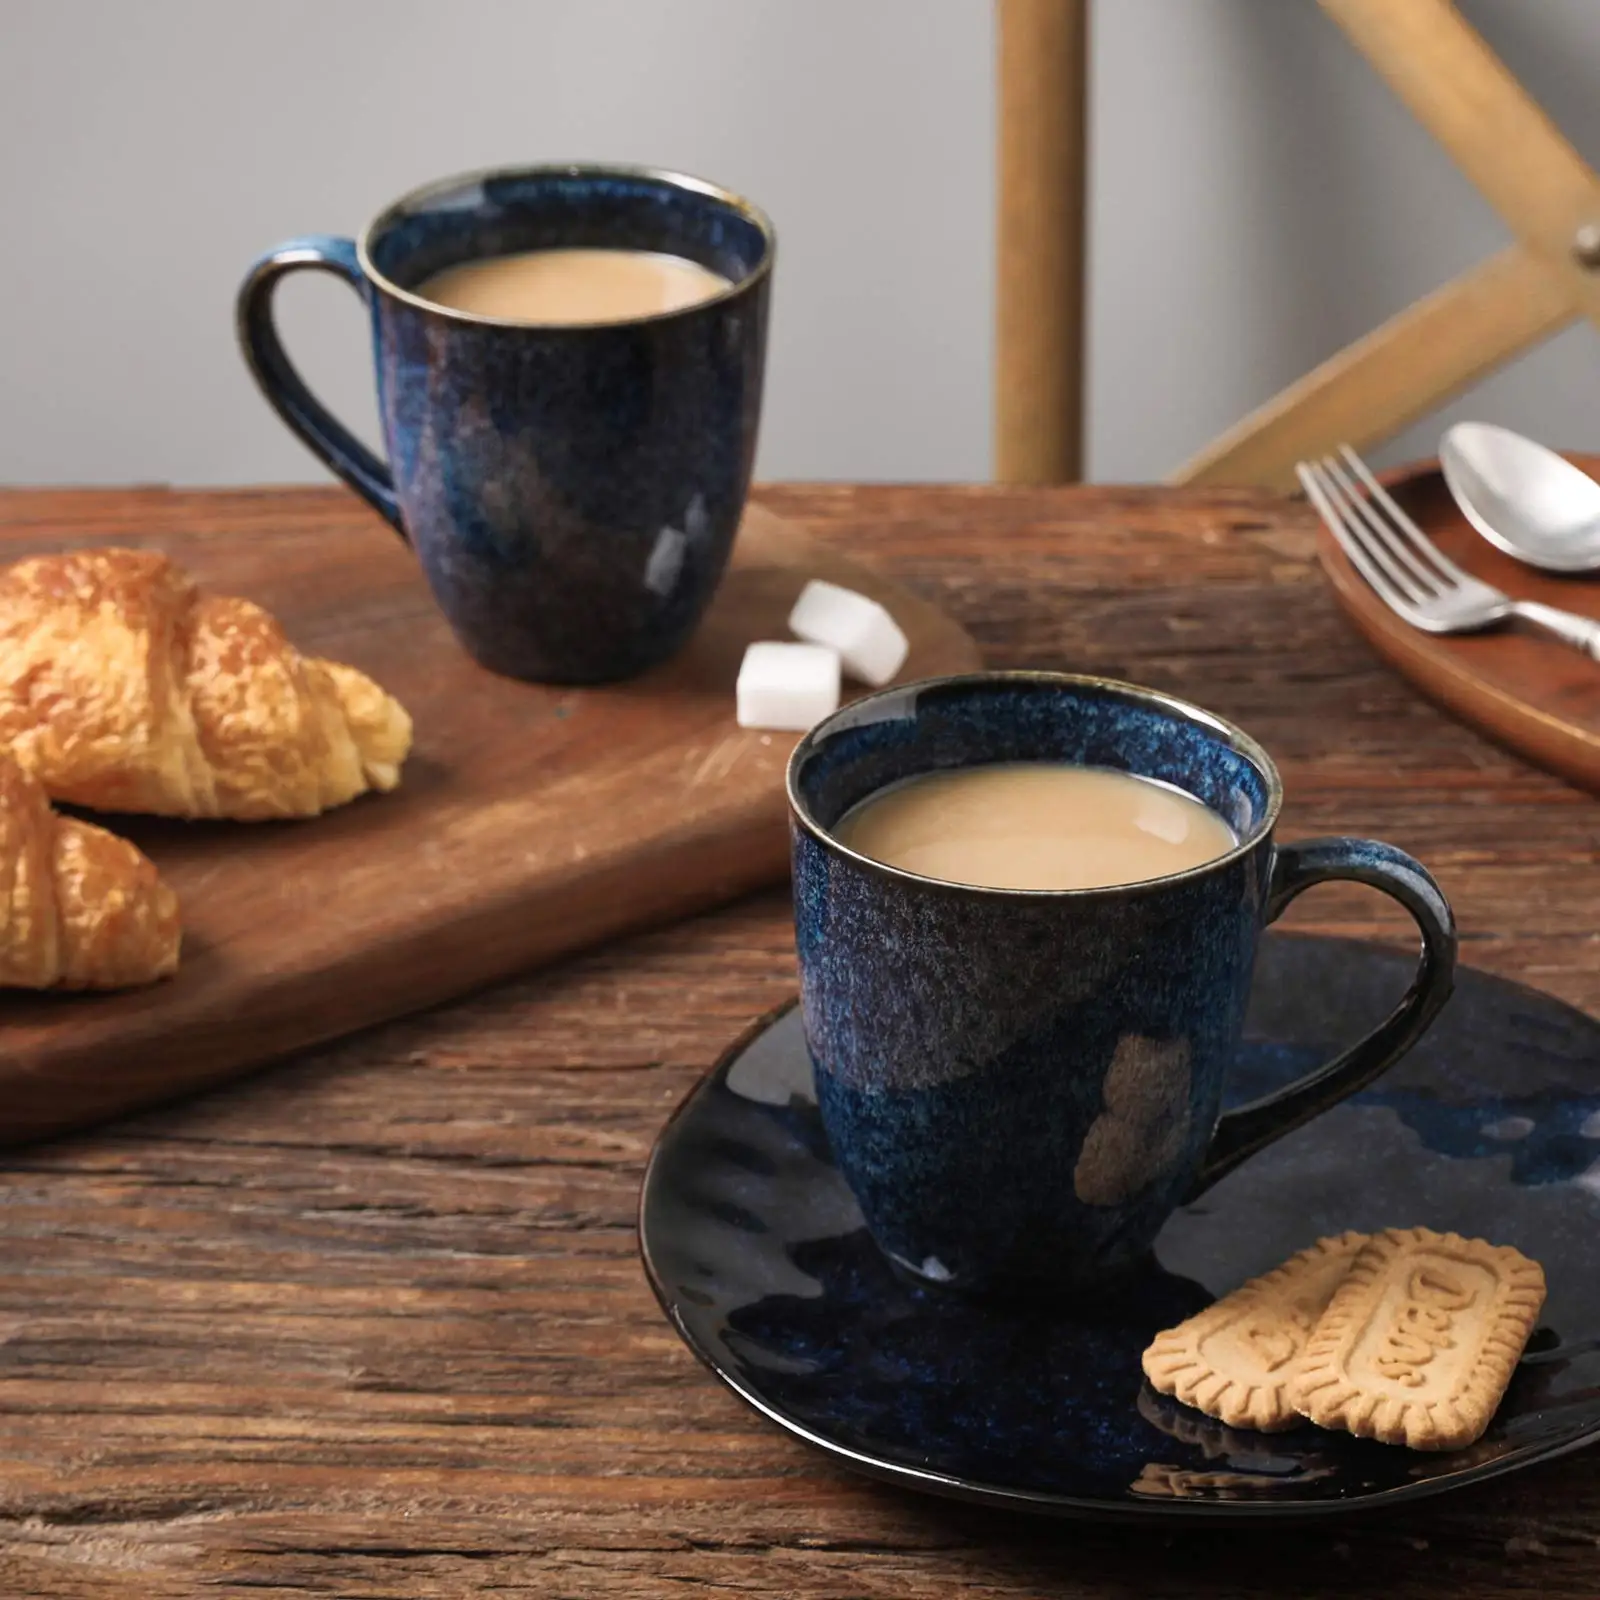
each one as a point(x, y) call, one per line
point(1524, 499)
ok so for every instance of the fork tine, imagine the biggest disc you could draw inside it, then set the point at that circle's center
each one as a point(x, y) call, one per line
point(1317, 486)
point(1418, 538)
point(1430, 583)
point(1347, 503)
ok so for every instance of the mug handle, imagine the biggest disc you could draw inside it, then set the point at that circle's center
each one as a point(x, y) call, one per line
point(286, 390)
point(1295, 867)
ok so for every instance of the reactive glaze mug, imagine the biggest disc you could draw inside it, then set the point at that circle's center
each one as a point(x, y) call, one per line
point(1020, 1085)
point(572, 492)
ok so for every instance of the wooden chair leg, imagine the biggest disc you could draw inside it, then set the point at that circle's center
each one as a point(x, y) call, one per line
point(1039, 344)
point(1400, 371)
point(1499, 136)
point(1550, 199)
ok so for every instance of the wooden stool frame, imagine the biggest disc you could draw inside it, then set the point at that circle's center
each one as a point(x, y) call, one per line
point(1456, 87)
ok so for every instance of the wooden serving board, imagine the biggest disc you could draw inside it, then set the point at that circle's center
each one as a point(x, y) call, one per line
point(1522, 688)
point(530, 822)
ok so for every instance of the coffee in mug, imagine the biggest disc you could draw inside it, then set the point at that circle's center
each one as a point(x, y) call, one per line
point(1019, 1084)
point(568, 454)
point(1036, 825)
point(558, 288)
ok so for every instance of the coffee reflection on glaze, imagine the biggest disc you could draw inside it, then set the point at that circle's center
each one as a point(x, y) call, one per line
point(1144, 1129)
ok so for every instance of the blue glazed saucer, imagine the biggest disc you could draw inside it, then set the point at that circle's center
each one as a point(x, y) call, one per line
point(1490, 1127)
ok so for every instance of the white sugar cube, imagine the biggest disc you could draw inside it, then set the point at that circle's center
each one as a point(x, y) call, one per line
point(787, 685)
point(868, 639)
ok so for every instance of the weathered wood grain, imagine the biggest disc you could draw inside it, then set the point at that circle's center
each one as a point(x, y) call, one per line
point(370, 1323)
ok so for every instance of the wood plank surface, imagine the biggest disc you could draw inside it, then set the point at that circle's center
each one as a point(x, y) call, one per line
point(530, 821)
point(371, 1325)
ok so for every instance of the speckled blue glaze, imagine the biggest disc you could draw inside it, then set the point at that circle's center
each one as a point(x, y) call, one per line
point(571, 492)
point(1020, 1086)
point(1490, 1126)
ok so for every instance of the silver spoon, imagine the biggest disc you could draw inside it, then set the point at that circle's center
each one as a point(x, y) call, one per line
point(1523, 498)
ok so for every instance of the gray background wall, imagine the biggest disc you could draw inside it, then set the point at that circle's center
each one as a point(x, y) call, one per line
point(1258, 199)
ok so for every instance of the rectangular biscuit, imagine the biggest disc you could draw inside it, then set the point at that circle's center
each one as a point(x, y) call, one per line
point(1420, 1341)
point(1232, 1360)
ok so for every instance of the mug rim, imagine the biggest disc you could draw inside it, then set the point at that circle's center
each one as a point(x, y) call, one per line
point(1235, 736)
point(751, 212)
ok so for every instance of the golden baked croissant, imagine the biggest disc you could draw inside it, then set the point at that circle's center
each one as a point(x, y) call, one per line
point(79, 907)
point(124, 688)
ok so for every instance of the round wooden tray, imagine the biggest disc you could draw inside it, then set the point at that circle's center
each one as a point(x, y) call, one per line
point(1522, 688)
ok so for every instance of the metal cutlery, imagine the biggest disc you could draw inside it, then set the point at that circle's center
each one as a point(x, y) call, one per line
point(1523, 498)
point(1408, 572)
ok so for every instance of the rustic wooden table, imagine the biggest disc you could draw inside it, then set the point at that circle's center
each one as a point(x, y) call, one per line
point(371, 1324)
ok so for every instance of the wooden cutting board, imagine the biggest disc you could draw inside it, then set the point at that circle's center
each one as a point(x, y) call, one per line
point(1522, 688)
point(530, 822)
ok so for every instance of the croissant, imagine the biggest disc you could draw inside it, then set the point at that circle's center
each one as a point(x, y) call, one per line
point(124, 688)
point(79, 907)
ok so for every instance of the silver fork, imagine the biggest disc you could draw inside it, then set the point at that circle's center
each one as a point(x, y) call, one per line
point(1408, 572)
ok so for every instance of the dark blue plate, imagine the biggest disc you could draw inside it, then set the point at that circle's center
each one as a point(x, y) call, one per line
point(1490, 1127)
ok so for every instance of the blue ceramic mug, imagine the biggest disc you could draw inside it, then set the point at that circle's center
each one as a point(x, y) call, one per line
point(1020, 1085)
point(572, 492)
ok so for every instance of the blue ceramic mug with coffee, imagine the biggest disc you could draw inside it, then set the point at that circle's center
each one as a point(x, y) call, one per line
point(571, 490)
point(1019, 1085)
